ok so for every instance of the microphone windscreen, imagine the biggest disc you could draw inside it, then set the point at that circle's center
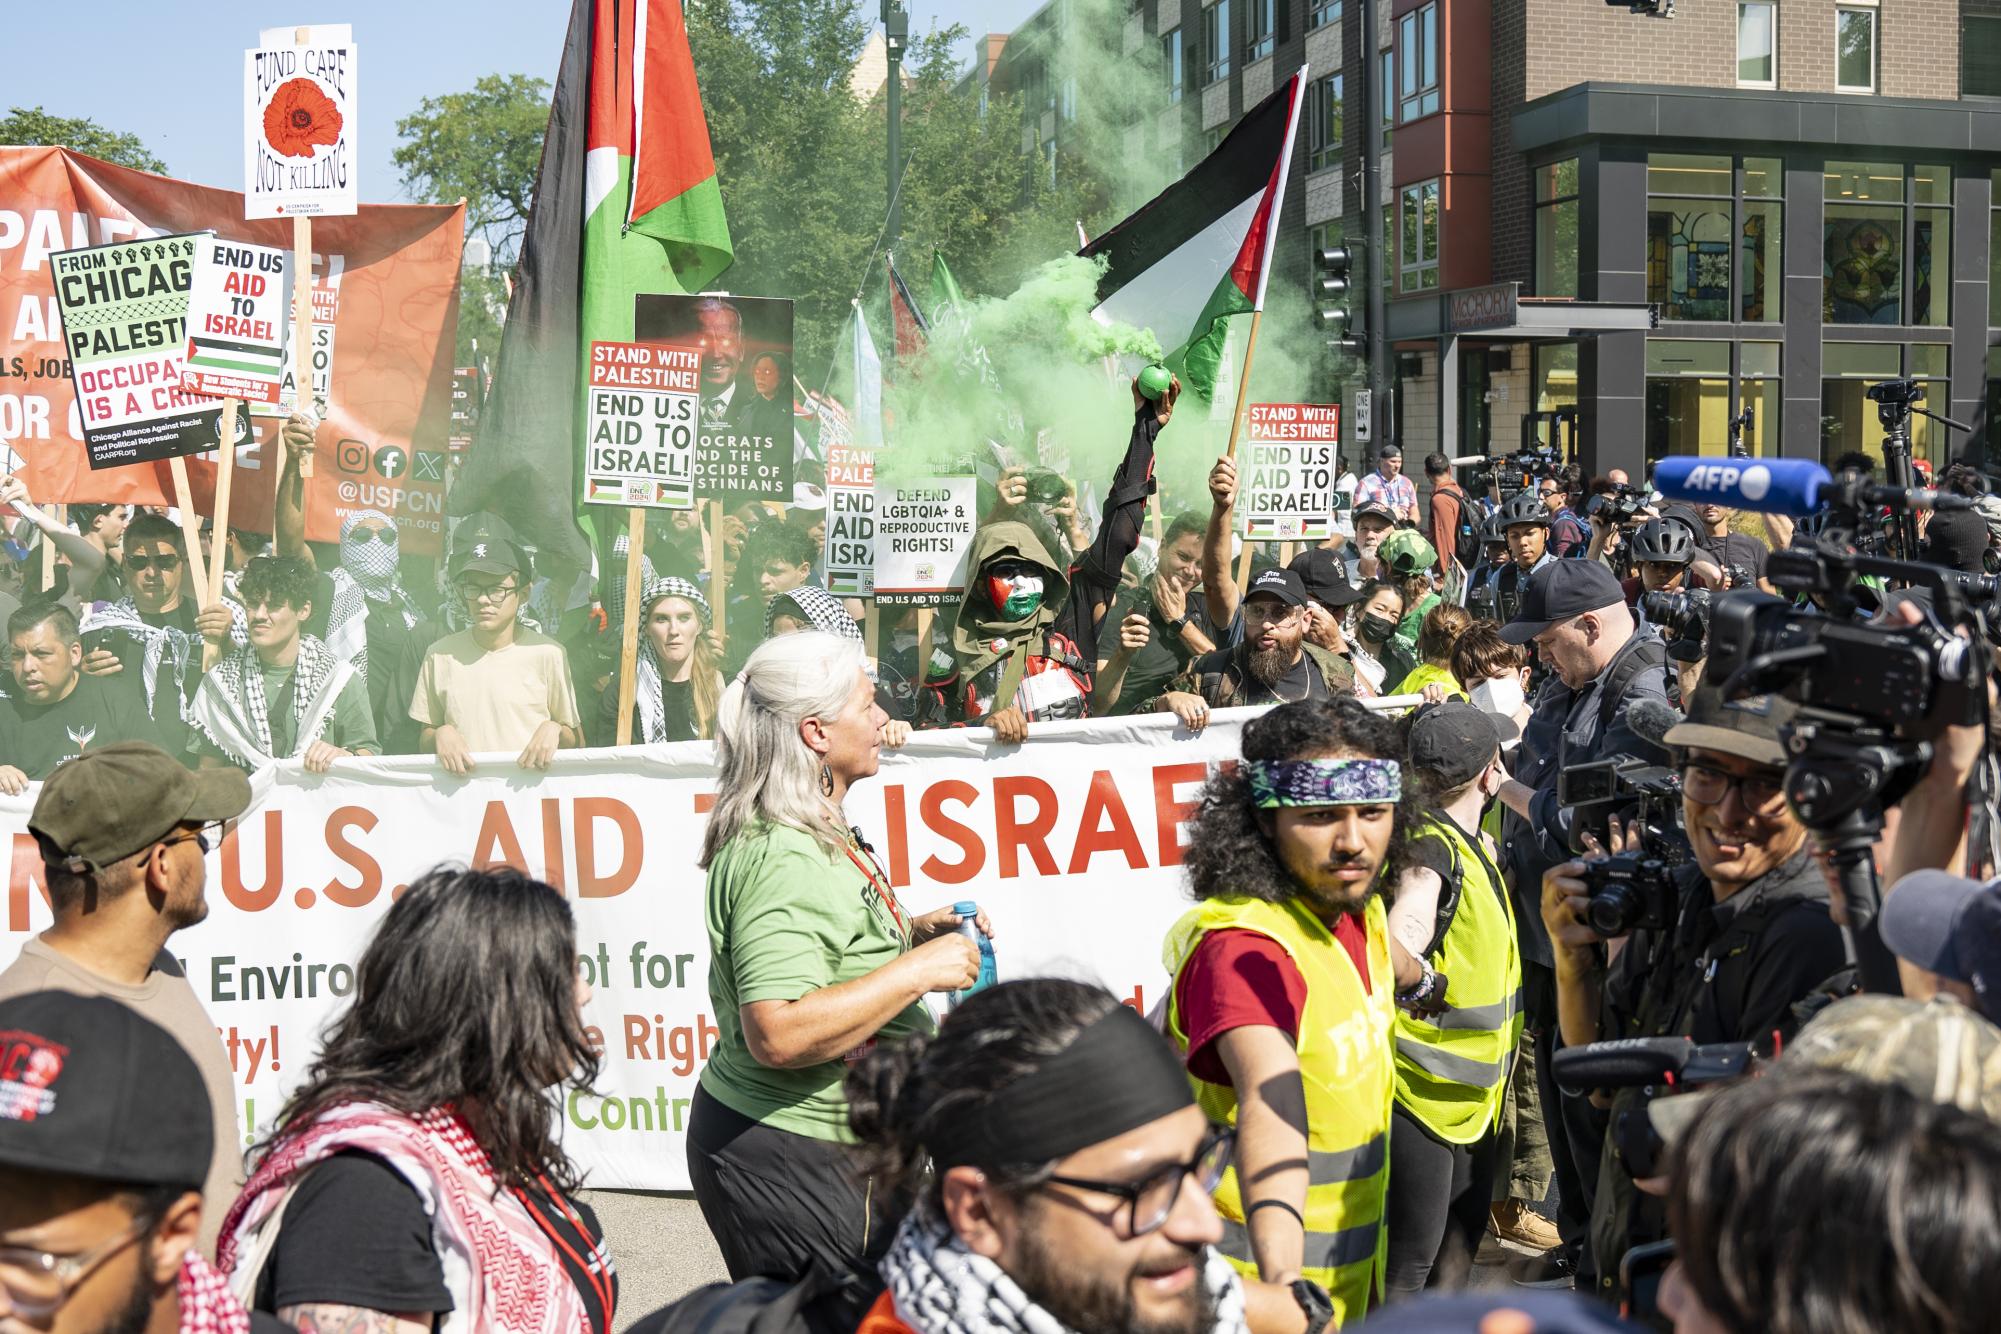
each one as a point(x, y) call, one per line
point(1769, 486)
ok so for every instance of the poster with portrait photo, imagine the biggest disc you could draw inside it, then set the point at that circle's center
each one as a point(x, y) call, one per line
point(745, 443)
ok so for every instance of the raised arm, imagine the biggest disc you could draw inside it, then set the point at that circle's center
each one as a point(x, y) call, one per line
point(289, 529)
point(1219, 583)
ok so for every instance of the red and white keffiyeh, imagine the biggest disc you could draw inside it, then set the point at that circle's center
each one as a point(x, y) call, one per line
point(499, 1267)
point(207, 1304)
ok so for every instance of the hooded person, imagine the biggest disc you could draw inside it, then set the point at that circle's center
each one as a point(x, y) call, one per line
point(999, 659)
point(808, 607)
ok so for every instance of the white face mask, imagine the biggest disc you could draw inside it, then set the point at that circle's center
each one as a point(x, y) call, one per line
point(1500, 695)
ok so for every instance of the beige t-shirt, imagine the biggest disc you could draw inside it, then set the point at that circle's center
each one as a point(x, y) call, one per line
point(167, 999)
point(496, 699)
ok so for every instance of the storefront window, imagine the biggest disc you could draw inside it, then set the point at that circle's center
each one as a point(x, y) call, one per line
point(1556, 229)
point(1688, 397)
point(1886, 258)
point(1696, 202)
point(1555, 376)
point(1848, 421)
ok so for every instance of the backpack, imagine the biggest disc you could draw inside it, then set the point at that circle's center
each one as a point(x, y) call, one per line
point(1467, 549)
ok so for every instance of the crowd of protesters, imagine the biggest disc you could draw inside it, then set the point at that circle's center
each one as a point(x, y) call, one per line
point(1350, 1104)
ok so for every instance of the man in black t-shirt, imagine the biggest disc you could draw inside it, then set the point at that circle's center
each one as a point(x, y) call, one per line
point(1729, 549)
point(1274, 663)
point(57, 712)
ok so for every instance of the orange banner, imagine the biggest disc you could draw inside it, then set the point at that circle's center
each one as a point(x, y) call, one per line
point(388, 275)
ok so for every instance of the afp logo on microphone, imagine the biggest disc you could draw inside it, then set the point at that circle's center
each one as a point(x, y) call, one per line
point(1751, 483)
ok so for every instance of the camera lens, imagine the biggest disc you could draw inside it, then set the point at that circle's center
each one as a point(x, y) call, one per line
point(1613, 910)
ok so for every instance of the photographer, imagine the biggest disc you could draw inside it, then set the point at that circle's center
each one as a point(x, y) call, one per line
point(1567, 536)
point(1718, 951)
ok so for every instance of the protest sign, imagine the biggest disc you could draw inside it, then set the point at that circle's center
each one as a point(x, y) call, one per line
point(325, 293)
point(238, 302)
point(1074, 840)
point(396, 268)
point(923, 529)
point(299, 123)
point(1290, 465)
point(744, 443)
point(849, 557)
point(123, 310)
point(640, 432)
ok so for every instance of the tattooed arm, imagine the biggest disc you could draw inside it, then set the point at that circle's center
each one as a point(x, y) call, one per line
point(318, 1318)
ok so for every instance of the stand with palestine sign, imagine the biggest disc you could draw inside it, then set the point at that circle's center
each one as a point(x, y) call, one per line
point(1291, 462)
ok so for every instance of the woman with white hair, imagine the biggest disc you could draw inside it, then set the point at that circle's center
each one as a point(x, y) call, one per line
point(812, 960)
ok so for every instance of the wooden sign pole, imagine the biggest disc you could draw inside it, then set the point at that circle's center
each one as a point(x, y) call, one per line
point(719, 593)
point(184, 501)
point(872, 635)
point(49, 549)
point(628, 635)
point(218, 552)
point(302, 321)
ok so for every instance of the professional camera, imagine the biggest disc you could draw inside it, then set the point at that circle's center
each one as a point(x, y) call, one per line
point(1620, 506)
point(1634, 889)
point(1629, 892)
point(1683, 618)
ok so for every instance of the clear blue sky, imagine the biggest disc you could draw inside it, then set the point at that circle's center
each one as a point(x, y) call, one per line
point(173, 74)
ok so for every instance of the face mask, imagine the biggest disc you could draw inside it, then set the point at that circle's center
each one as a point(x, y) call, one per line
point(1501, 696)
point(1015, 595)
point(1377, 629)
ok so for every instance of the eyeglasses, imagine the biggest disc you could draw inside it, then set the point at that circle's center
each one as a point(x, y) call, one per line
point(200, 837)
point(1546, 491)
point(382, 535)
point(488, 592)
point(165, 560)
point(39, 1282)
point(1708, 786)
point(1149, 1202)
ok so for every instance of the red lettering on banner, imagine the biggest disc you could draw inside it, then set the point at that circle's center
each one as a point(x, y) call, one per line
point(343, 819)
point(1102, 804)
point(496, 831)
point(552, 843)
point(590, 884)
point(931, 809)
point(240, 896)
point(1011, 835)
point(27, 875)
point(899, 835)
point(1169, 815)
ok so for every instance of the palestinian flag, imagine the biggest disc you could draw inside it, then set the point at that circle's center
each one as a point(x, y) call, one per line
point(912, 331)
point(626, 202)
point(1201, 250)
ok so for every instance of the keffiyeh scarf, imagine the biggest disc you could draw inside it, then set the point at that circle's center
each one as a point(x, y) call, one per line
point(940, 1287)
point(376, 566)
point(231, 711)
point(649, 691)
point(502, 1273)
point(162, 643)
point(817, 605)
point(207, 1304)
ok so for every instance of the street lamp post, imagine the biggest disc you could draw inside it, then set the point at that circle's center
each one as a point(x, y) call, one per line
point(896, 32)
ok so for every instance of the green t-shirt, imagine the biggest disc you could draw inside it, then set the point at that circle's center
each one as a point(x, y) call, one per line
point(786, 917)
point(351, 724)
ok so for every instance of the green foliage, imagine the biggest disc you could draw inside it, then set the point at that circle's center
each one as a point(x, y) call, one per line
point(32, 125)
point(482, 307)
point(483, 146)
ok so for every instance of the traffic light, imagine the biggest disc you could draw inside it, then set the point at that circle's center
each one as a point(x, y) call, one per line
point(1334, 290)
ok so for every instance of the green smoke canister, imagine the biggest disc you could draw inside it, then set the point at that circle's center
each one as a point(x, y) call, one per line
point(1154, 380)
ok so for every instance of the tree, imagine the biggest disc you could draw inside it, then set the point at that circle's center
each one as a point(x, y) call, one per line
point(482, 146)
point(32, 125)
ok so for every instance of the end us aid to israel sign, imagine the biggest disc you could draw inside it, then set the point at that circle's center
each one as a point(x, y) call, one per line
point(299, 154)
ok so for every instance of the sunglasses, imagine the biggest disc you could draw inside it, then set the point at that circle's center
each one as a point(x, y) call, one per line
point(208, 838)
point(166, 561)
point(382, 535)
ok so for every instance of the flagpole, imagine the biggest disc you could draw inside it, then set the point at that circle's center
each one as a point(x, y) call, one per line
point(1236, 425)
point(628, 634)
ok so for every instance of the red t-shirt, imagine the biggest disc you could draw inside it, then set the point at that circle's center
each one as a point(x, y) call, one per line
point(1245, 979)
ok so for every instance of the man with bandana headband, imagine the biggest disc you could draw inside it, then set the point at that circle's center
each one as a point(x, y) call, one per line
point(1284, 996)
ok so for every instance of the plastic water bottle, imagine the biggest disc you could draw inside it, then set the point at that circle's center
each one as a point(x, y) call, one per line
point(967, 911)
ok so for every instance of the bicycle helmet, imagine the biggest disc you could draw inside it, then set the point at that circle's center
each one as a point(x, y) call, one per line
point(1664, 540)
point(1523, 507)
point(1491, 532)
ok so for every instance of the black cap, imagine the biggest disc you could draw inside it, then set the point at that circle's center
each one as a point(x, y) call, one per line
point(1375, 508)
point(90, 1089)
point(485, 544)
point(1558, 591)
point(1450, 743)
point(1325, 577)
point(1390, 451)
point(1281, 584)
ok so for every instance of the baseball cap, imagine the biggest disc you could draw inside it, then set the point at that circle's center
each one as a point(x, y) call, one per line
point(89, 1088)
point(1281, 584)
point(1450, 743)
point(1747, 728)
point(107, 804)
point(485, 544)
point(1558, 591)
point(1407, 553)
point(1325, 577)
point(1374, 509)
point(1390, 451)
point(1949, 925)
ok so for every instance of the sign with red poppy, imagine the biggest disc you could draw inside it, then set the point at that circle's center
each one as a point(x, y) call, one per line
point(299, 157)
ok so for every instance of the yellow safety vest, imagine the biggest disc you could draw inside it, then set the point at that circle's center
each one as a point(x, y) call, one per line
point(1452, 1069)
point(1347, 1072)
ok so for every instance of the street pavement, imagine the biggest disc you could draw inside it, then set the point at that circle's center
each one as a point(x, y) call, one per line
point(661, 1247)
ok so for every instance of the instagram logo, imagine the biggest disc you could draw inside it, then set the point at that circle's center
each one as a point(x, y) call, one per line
point(351, 456)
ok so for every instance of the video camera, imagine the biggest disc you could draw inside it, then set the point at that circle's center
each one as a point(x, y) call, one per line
point(1620, 506)
point(1676, 1063)
point(1683, 619)
point(1633, 889)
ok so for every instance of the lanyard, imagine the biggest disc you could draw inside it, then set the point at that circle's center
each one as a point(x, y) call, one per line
point(879, 882)
point(600, 1283)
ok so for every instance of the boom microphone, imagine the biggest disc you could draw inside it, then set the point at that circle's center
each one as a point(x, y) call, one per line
point(1652, 719)
point(1468, 460)
point(1770, 486)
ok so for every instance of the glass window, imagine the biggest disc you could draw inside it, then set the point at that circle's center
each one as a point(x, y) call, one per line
point(1992, 455)
point(1764, 178)
point(1757, 44)
point(1216, 42)
point(1261, 22)
point(1417, 63)
point(1855, 49)
point(1556, 216)
point(1688, 258)
point(1418, 215)
point(1687, 356)
point(1170, 58)
point(1323, 122)
point(1994, 255)
point(1688, 174)
point(1320, 13)
point(1555, 381)
point(1979, 57)
point(1848, 421)
point(1884, 261)
point(1696, 203)
point(1758, 358)
point(1388, 83)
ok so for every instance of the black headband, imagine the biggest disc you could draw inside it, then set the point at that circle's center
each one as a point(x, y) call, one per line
point(1119, 1074)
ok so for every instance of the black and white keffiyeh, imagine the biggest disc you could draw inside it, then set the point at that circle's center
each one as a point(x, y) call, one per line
point(231, 711)
point(161, 643)
point(817, 605)
point(940, 1287)
point(648, 694)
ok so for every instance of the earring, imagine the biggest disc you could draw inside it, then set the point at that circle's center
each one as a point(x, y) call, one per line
point(826, 781)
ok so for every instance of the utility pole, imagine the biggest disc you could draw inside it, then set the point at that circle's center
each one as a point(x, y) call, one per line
point(1374, 99)
point(895, 33)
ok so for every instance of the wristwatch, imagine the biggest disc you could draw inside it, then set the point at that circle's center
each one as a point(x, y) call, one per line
point(1314, 1301)
point(1178, 624)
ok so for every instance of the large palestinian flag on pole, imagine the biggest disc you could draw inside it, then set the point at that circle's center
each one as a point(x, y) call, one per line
point(1201, 250)
point(626, 202)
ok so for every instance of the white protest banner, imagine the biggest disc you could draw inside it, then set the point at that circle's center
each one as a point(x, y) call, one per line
point(1291, 462)
point(1073, 842)
point(299, 123)
point(923, 528)
point(640, 437)
point(238, 303)
point(850, 550)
